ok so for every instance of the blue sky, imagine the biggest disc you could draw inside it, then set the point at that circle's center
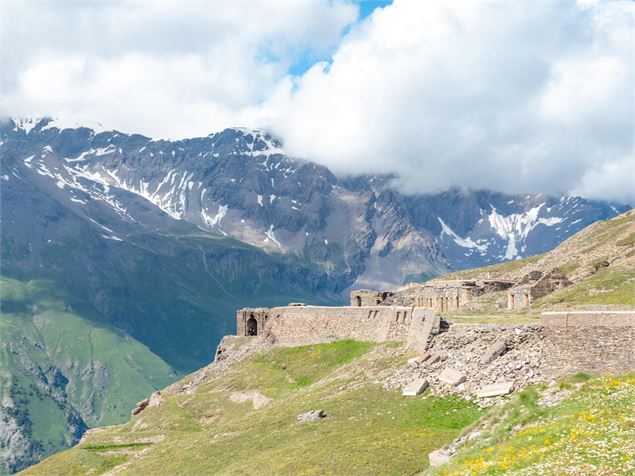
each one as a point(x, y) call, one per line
point(309, 57)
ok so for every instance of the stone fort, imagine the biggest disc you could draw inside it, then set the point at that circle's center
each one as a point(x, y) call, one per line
point(597, 341)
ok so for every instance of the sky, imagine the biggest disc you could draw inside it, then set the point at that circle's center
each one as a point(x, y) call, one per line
point(518, 97)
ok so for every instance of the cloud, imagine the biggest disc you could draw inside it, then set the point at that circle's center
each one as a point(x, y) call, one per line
point(511, 96)
point(518, 97)
point(166, 69)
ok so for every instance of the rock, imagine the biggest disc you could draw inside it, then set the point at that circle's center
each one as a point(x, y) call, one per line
point(495, 390)
point(415, 387)
point(311, 416)
point(438, 457)
point(140, 406)
point(156, 400)
point(494, 351)
point(258, 400)
point(451, 376)
point(434, 358)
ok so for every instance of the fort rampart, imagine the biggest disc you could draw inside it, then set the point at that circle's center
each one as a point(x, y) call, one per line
point(295, 325)
point(569, 342)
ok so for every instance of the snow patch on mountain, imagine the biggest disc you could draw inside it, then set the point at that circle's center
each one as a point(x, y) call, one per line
point(272, 236)
point(62, 123)
point(216, 219)
point(516, 227)
point(463, 242)
point(26, 124)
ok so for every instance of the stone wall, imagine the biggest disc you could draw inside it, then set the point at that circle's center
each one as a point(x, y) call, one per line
point(300, 325)
point(589, 341)
point(535, 285)
point(522, 355)
point(562, 344)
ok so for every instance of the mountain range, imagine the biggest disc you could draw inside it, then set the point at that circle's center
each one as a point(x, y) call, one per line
point(124, 258)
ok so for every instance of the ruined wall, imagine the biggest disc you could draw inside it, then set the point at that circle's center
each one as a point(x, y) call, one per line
point(444, 296)
point(589, 341)
point(314, 324)
point(536, 285)
point(366, 297)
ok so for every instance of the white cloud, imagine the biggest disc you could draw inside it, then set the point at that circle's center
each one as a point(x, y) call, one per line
point(168, 69)
point(512, 96)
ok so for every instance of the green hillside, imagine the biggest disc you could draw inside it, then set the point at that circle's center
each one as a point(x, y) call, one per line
point(589, 432)
point(61, 371)
point(97, 311)
point(367, 430)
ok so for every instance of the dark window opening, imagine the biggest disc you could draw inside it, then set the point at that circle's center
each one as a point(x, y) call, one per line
point(252, 326)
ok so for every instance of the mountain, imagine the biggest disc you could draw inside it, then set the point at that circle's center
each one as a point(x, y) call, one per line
point(241, 414)
point(101, 304)
point(239, 183)
point(124, 258)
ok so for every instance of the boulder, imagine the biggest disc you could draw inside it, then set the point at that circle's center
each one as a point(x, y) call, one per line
point(311, 416)
point(438, 457)
point(140, 406)
point(494, 351)
point(156, 400)
point(415, 387)
point(495, 390)
point(451, 376)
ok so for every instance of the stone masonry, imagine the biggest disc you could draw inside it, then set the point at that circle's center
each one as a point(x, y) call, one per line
point(298, 325)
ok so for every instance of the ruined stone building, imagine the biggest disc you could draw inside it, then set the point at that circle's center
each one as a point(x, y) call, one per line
point(535, 285)
point(367, 297)
point(444, 296)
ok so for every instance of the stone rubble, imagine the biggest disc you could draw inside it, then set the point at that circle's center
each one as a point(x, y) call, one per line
point(156, 400)
point(496, 350)
point(439, 457)
point(463, 349)
point(451, 376)
point(495, 390)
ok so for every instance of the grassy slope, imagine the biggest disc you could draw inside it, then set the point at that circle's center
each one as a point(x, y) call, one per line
point(591, 431)
point(108, 370)
point(368, 430)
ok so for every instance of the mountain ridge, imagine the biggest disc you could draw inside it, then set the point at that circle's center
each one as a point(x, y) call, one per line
point(239, 183)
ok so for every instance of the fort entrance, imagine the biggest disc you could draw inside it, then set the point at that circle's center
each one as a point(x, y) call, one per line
point(252, 326)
